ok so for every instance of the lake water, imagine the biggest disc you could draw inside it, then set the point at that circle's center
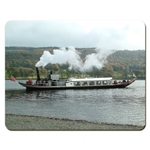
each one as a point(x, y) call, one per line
point(118, 106)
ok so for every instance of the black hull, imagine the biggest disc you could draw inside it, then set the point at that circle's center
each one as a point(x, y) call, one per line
point(35, 87)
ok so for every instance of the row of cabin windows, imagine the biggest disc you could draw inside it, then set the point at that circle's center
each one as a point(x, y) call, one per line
point(92, 83)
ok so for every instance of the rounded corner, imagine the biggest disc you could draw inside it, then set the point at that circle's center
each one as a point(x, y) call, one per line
point(7, 22)
point(143, 23)
point(7, 127)
point(143, 128)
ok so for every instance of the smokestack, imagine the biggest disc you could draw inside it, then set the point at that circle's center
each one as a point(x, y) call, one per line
point(38, 75)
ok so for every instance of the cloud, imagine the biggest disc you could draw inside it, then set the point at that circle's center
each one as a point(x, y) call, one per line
point(102, 34)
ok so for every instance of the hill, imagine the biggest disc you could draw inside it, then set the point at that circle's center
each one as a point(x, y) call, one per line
point(20, 62)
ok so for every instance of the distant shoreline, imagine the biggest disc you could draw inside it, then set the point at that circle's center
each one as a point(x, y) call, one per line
point(38, 123)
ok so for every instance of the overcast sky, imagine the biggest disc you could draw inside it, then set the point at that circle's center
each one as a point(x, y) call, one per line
point(102, 34)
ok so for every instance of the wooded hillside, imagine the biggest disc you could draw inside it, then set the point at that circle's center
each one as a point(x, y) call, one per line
point(20, 62)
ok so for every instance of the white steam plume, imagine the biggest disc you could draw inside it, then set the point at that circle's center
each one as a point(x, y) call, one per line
point(70, 55)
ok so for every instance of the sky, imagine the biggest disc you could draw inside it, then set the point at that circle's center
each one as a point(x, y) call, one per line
point(101, 34)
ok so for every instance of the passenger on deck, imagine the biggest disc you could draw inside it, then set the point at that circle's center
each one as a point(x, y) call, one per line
point(46, 80)
point(124, 81)
point(115, 82)
point(29, 81)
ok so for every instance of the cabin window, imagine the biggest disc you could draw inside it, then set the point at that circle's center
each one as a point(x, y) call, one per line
point(104, 82)
point(77, 83)
point(84, 83)
point(91, 83)
point(98, 82)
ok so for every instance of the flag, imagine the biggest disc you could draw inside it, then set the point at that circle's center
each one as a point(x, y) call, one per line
point(134, 76)
point(12, 78)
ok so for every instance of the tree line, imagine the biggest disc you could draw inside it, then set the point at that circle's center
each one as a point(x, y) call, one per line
point(20, 62)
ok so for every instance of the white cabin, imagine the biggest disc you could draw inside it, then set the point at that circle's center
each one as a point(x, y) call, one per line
point(88, 81)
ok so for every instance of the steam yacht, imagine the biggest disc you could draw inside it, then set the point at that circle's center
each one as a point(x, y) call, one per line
point(53, 82)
